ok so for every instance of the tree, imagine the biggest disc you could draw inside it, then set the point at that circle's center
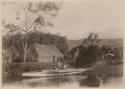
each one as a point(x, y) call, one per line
point(34, 16)
point(49, 39)
point(89, 51)
point(60, 43)
point(92, 39)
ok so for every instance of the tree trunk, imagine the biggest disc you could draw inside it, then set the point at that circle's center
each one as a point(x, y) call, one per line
point(76, 54)
point(25, 52)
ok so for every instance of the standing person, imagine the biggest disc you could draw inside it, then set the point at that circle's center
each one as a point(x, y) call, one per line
point(64, 65)
point(53, 58)
point(58, 63)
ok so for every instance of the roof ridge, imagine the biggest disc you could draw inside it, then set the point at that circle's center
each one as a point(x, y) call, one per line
point(51, 49)
point(44, 44)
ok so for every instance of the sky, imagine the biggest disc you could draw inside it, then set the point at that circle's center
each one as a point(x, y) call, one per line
point(76, 20)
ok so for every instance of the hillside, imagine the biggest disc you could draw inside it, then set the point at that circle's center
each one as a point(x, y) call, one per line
point(110, 42)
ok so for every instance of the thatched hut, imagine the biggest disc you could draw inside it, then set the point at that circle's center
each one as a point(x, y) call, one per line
point(49, 54)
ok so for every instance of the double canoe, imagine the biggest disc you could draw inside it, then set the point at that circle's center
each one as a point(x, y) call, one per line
point(50, 73)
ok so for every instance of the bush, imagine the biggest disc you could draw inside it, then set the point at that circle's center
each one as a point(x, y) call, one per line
point(11, 70)
point(36, 66)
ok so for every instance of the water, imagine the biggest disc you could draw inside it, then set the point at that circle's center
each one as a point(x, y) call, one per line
point(68, 81)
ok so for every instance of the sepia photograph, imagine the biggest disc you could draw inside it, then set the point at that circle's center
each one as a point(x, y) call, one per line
point(58, 44)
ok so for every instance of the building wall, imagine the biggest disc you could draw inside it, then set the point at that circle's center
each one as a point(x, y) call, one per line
point(47, 59)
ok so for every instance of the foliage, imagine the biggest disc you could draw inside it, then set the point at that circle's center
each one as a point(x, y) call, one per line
point(12, 69)
point(88, 56)
point(38, 37)
point(90, 52)
point(31, 15)
point(48, 39)
point(34, 16)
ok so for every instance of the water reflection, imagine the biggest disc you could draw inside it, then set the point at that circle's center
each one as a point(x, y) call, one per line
point(48, 82)
point(68, 81)
point(90, 81)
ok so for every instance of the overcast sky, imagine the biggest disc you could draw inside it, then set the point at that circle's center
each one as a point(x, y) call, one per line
point(76, 20)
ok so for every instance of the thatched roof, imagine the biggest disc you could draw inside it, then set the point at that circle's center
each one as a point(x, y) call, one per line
point(47, 50)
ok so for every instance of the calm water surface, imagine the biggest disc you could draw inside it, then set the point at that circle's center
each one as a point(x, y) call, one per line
point(68, 81)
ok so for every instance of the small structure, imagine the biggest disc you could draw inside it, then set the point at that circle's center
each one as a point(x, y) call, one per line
point(49, 54)
point(110, 58)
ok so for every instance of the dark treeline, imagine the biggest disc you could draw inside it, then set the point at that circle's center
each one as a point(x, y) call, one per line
point(90, 52)
point(17, 41)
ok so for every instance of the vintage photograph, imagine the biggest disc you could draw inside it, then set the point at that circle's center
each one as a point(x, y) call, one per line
point(62, 43)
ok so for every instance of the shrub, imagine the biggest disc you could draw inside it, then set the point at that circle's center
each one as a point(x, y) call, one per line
point(12, 69)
